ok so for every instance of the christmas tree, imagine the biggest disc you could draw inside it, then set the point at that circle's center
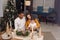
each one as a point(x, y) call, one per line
point(10, 12)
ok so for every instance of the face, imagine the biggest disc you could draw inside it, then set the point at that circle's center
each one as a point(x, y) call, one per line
point(28, 16)
point(21, 15)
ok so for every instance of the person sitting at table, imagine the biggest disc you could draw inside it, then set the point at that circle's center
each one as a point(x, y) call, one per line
point(20, 22)
point(31, 21)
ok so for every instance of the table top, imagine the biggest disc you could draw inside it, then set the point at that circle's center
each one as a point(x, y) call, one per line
point(35, 37)
point(19, 38)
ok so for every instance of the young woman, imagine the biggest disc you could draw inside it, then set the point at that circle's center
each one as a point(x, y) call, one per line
point(31, 20)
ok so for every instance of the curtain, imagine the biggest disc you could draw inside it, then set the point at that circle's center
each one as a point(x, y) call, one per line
point(45, 3)
point(1, 8)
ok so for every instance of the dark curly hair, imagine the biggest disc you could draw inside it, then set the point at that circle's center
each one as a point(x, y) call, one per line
point(32, 17)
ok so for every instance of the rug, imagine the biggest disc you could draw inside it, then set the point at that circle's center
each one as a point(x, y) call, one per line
point(48, 36)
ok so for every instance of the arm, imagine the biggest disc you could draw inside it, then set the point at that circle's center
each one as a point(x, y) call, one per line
point(16, 25)
point(26, 25)
point(37, 22)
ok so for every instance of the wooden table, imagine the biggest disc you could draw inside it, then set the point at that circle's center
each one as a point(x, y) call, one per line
point(10, 39)
point(27, 38)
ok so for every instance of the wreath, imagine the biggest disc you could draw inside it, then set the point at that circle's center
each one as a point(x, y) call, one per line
point(20, 33)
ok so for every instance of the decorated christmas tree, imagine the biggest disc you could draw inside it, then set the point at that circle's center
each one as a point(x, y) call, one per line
point(10, 12)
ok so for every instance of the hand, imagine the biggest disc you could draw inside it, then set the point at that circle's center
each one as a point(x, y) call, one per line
point(36, 27)
point(30, 28)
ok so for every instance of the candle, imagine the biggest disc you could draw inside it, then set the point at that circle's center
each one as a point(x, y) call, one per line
point(40, 32)
point(32, 29)
point(7, 28)
point(10, 24)
point(32, 33)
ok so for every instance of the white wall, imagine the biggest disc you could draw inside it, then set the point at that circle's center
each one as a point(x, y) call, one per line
point(2, 6)
point(37, 3)
point(49, 3)
point(4, 3)
point(45, 3)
